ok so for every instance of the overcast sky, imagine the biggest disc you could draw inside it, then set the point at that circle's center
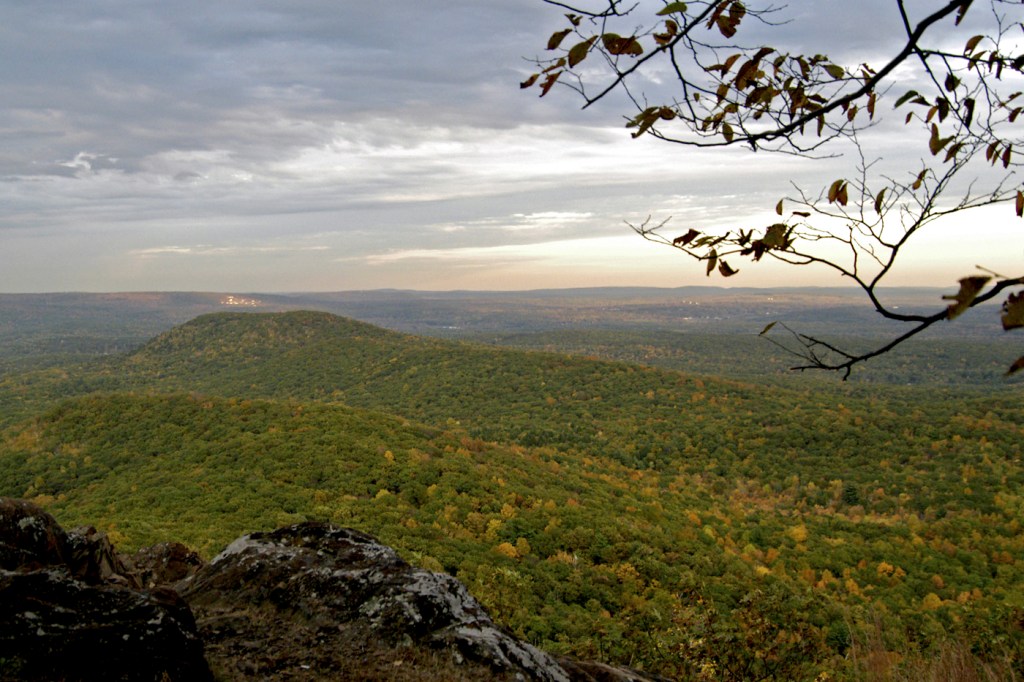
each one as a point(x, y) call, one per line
point(303, 145)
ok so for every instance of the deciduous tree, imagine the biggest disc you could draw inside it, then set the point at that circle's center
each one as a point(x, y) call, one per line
point(953, 80)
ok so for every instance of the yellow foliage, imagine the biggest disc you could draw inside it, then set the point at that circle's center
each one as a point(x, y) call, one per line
point(493, 526)
point(931, 602)
point(626, 572)
point(798, 533)
point(562, 557)
point(523, 547)
point(507, 549)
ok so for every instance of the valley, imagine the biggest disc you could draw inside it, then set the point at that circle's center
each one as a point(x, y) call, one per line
point(611, 479)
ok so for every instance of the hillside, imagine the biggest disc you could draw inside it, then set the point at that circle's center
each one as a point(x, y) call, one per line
point(602, 509)
point(703, 330)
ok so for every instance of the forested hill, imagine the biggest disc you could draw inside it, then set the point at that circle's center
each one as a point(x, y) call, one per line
point(606, 509)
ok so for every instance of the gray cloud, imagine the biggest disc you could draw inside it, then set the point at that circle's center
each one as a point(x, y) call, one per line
point(146, 144)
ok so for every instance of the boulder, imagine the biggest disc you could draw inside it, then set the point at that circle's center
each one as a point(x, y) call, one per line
point(164, 565)
point(93, 560)
point(338, 590)
point(66, 613)
point(307, 602)
point(29, 537)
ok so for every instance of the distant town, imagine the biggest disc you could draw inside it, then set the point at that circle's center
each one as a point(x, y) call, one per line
point(240, 300)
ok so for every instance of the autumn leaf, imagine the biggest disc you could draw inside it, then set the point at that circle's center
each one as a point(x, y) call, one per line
point(970, 287)
point(1013, 312)
point(579, 51)
point(712, 261)
point(835, 70)
point(672, 8)
point(686, 238)
point(880, 201)
point(768, 328)
point(1016, 367)
point(725, 270)
point(1020, 204)
point(549, 82)
point(909, 95)
point(962, 10)
point(617, 45)
point(838, 193)
point(776, 236)
point(556, 38)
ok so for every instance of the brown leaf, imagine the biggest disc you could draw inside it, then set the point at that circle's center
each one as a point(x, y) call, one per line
point(1020, 204)
point(725, 270)
point(1013, 311)
point(579, 51)
point(1016, 367)
point(970, 287)
point(776, 236)
point(712, 261)
point(529, 81)
point(617, 45)
point(768, 328)
point(920, 179)
point(686, 238)
point(880, 200)
point(962, 10)
point(672, 8)
point(834, 70)
point(556, 38)
point(833, 190)
point(549, 82)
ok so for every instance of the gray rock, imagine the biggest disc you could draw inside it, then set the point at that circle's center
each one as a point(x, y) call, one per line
point(333, 579)
point(66, 613)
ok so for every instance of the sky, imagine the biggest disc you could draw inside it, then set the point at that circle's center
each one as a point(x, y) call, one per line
point(314, 145)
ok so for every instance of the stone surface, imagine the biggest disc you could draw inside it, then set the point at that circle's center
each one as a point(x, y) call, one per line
point(29, 537)
point(93, 560)
point(165, 564)
point(333, 586)
point(306, 602)
point(67, 614)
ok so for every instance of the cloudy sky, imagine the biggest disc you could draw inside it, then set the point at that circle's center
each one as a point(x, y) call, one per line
point(299, 145)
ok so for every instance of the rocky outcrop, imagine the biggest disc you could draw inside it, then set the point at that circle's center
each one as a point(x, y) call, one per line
point(165, 564)
point(330, 587)
point(65, 614)
point(306, 602)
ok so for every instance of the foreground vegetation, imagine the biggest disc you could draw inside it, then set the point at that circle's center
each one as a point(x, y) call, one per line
point(689, 526)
